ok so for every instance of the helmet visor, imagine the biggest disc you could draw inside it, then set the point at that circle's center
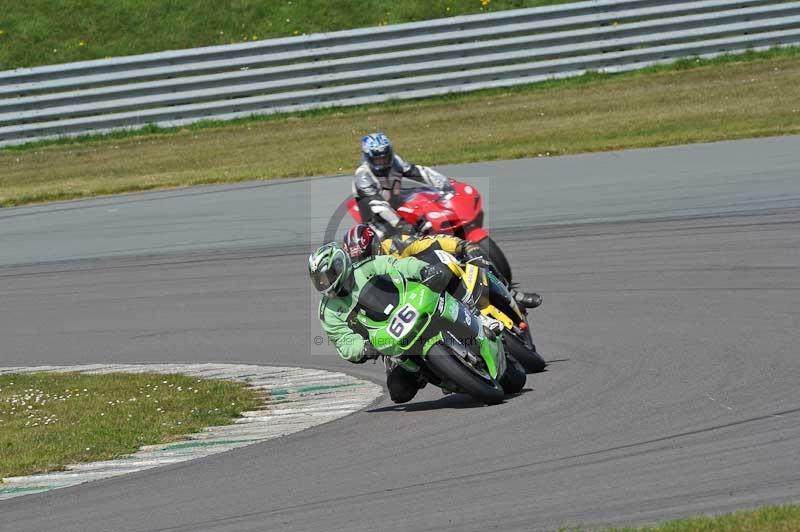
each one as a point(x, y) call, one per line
point(327, 279)
point(382, 161)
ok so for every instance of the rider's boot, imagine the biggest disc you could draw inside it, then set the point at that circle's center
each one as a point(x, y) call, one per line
point(527, 299)
point(403, 385)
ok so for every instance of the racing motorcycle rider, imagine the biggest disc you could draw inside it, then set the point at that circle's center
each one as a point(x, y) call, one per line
point(378, 179)
point(361, 241)
point(333, 274)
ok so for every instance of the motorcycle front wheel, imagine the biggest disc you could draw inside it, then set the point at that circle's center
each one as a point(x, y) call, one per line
point(452, 368)
point(525, 354)
point(514, 378)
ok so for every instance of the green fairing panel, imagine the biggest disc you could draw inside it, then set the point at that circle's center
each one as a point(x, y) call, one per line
point(431, 342)
point(491, 353)
point(411, 294)
point(451, 308)
point(409, 365)
point(405, 322)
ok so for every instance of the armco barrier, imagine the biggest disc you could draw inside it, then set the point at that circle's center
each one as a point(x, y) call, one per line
point(370, 65)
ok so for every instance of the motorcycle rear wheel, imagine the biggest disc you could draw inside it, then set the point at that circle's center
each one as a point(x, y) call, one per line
point(448, 365)
point(496, 255)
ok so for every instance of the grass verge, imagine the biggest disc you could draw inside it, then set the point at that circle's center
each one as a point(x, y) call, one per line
point(784, 518)
point(39, 32)
point(757, 94)
point(48, 420)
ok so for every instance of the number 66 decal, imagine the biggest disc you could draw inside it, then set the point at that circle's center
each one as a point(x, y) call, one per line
point(403, 321)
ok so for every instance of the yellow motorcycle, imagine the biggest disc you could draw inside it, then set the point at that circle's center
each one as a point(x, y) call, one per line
point(481, 289)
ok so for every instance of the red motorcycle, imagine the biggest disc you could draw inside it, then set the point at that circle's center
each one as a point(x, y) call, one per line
point(458, 213)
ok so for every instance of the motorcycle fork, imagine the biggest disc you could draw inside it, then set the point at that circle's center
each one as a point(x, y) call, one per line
point(482, 289)
point(464, 334)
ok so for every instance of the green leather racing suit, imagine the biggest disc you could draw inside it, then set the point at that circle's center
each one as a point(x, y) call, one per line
point(337, 313)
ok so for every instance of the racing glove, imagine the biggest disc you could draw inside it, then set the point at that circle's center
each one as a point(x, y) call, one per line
point(369, 353)
point(436, 277)
point(467, 250)
point(472, 253)
point(404, 228)
point(481, 262)
point(423, 226)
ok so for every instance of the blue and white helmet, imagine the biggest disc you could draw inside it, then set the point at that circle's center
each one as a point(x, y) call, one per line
point(377, 151)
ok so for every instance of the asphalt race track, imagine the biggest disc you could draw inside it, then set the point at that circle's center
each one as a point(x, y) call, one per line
point(671, 280)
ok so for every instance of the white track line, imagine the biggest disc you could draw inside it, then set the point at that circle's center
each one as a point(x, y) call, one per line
point(299, 399)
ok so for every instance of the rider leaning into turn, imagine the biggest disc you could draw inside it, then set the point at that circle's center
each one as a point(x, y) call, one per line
point(340, 282)
point(379, 177)
point(361, 241)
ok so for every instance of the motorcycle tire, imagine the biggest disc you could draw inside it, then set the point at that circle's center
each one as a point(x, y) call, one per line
point(514, 378)
point(448, 365)
point(527, 356)
point(496, 255)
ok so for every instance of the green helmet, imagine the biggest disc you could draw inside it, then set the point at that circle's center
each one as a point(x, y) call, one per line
point(330, 269)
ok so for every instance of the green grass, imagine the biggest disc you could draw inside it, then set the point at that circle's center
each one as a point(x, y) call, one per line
point(37, 32)
point(753, 95)
point(48, 420)
point(588, 78)
point(784, 518)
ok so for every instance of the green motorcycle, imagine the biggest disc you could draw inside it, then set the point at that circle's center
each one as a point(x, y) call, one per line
point(437, 336)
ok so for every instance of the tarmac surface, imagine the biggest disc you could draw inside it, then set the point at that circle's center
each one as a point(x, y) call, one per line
point(671, 280)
